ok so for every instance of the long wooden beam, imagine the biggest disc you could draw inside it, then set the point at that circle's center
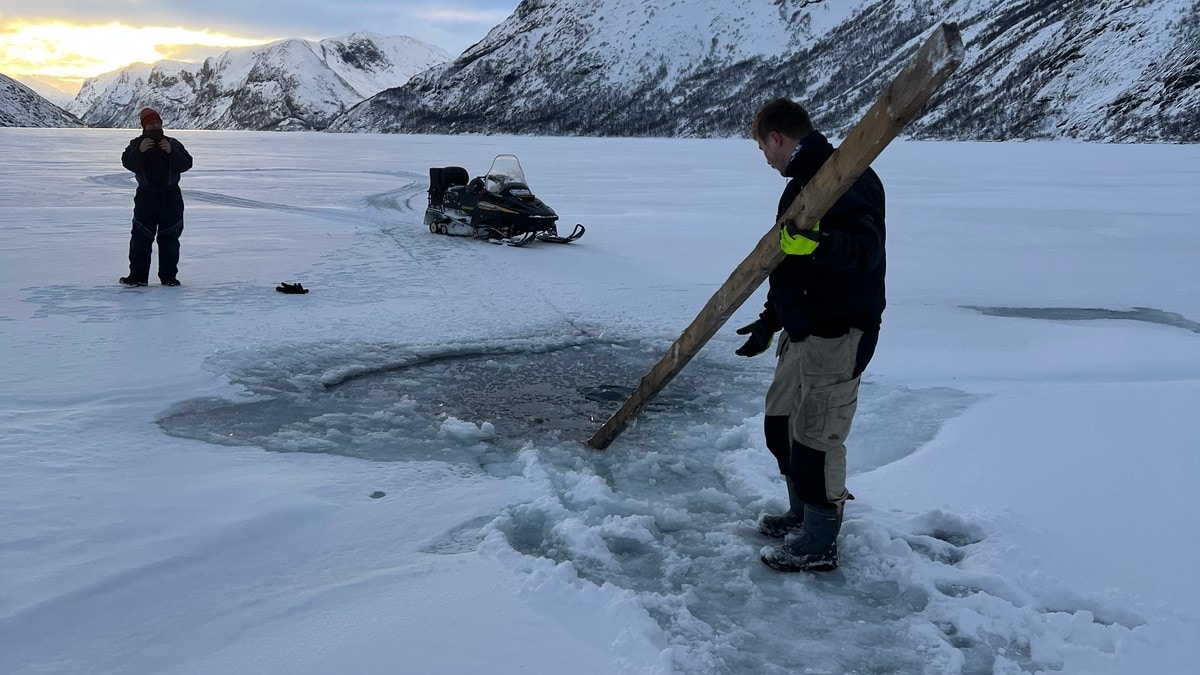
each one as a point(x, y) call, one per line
point(903, 100)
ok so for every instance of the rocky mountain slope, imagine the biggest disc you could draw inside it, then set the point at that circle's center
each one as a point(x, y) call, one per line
point(284, 85)
point(20, 106)
point(1099, 70)
point(47, 91)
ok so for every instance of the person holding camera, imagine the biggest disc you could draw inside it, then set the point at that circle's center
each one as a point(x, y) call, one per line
point(157, 161)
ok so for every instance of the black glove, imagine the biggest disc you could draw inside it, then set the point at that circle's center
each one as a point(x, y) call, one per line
point(759, 341)
point(291, 289)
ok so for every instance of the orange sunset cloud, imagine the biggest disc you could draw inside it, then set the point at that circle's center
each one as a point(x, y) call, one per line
point(66, 54)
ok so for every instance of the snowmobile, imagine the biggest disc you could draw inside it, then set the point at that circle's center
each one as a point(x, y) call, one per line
point(497, 206)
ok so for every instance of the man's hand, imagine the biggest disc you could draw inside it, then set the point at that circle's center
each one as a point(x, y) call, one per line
point(145, 145)
point(759, 340)
point(794, 241)
point(165, 146)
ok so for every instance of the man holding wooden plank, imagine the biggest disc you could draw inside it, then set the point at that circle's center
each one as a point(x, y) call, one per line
point(827, 296)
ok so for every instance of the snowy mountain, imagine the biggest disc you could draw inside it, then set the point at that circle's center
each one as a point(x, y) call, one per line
point(284, 85)
point(46, 90)
point(1108, 70)
point(20, 106)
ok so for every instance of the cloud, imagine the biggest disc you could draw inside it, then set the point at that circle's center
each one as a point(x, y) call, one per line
point(286, 18)
point(452, 16)
point(71, 53)
point(191, 53)
point(205, 27)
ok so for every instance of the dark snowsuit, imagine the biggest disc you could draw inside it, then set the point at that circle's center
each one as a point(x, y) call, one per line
point(830, 304)
point(157, 207)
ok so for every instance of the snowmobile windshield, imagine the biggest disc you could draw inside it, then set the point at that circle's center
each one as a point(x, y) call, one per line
point(505, 171)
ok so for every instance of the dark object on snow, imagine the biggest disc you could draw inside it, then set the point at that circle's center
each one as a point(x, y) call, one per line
point(378, 495)
point(497, 206)
point(170, 282)
point(130, 281)
point(291, 289)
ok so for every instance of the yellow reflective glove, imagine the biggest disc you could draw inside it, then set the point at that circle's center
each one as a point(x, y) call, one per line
point(794, 241)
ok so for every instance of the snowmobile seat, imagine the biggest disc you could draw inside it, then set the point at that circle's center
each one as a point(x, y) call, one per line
point(435, 186)
point(441, 178)
point(454, 175)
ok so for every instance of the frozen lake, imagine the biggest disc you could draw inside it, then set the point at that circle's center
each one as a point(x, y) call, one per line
point(387, 474)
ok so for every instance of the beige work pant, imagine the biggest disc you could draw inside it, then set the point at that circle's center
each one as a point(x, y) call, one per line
point(815, 386)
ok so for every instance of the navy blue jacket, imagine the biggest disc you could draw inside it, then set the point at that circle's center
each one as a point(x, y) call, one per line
point(840, 286)
point(156, 171)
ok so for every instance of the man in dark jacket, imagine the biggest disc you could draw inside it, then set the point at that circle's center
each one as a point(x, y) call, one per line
point(828, 298)
point(156, 160)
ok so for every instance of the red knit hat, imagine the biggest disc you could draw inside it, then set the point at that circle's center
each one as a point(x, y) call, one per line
point(149, 115)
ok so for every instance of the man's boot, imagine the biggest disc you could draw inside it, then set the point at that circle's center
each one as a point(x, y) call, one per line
point(814, 549)
point(778, 527)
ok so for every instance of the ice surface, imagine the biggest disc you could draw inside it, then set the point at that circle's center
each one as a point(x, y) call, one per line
point(222, 478)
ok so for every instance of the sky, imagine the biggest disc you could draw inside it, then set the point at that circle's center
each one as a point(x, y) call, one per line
point(63, 43)
point(386, 474)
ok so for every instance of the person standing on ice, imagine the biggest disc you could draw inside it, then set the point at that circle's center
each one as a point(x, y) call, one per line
point(828, 298)
point(157, 161)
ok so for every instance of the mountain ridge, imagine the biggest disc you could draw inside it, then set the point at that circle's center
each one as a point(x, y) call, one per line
point(1113, 70)
point(21, 106)
point(289, 84)
point(1092, 70)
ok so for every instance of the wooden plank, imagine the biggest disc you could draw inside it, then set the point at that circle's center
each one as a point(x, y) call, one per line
point(903, 100)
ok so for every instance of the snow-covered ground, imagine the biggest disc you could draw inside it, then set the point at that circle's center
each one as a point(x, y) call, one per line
point(386, 475)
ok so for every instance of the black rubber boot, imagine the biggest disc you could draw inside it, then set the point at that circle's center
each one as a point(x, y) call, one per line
point(814, 549)
point(778, 527)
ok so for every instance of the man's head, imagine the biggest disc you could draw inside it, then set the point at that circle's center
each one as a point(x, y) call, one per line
point(778, 127)
point(150, 119)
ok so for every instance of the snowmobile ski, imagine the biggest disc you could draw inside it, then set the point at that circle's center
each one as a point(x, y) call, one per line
point(515, 240)
point(551, 235)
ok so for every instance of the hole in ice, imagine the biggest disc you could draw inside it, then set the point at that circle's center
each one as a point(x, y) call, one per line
point(957, 538)
point(470, 405)
point(479, 404)
point(947, 555)
point(1147, 314)
point(957, 590)
point(662, 517)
